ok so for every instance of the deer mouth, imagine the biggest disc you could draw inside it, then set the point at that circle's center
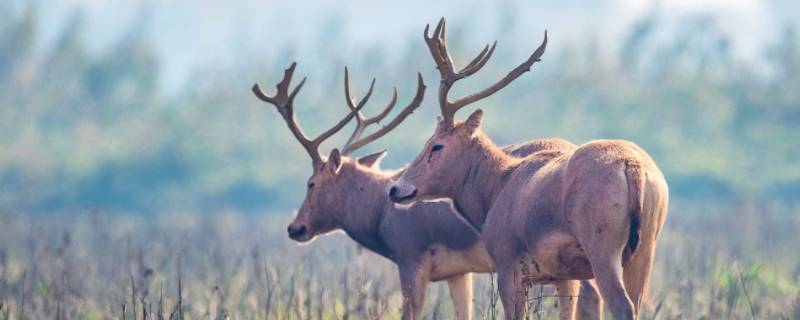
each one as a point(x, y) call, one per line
point(396, 198)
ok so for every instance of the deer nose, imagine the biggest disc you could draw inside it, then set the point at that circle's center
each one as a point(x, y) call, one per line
point(392, 192)
point(296, 232)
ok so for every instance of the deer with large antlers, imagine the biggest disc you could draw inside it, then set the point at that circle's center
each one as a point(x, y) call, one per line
point(554, 216)
point(428, 241)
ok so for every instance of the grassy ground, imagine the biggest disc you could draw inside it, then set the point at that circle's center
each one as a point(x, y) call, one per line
point(714, 261)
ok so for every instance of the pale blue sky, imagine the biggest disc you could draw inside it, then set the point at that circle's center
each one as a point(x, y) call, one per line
point(192, 33)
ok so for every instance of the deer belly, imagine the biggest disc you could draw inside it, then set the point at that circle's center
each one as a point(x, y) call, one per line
point(447, 262)
point(556, 256)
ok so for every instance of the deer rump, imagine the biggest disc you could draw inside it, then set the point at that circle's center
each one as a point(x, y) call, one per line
point(556, 197)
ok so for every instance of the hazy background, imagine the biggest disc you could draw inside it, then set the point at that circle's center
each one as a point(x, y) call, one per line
point(131, 125)
point(142, 107)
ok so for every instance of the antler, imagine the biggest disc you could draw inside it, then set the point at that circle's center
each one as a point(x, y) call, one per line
point(356, 141)
point(284, 102)
point(437, 44)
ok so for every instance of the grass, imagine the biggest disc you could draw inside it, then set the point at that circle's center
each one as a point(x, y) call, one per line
point(714, 261)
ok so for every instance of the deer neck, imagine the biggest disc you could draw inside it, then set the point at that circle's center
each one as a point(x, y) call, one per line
point(486, 175)
point(364, 211)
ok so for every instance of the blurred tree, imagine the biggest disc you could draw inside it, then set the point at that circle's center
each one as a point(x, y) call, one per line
point(82, 130)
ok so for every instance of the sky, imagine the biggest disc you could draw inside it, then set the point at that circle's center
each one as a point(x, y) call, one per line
point(192, 33)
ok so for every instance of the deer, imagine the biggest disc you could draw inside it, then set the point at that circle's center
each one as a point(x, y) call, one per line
point(593, 212)
point(427, 240)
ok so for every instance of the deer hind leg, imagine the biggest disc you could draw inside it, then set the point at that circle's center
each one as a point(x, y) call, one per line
point(607, 268)
point(637, 274)
point(461, 293)
point(639, 267)
point(590, 304)
point(413, 282)
point(567, 291)
point(601, 223)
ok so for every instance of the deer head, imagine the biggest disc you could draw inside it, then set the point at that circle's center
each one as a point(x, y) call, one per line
point(444, 159)
point(333, 177)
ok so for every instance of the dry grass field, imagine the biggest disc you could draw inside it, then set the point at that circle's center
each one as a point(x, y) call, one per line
point(738, 262)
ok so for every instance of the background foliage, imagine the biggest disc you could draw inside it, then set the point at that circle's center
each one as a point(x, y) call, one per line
point(83, 130)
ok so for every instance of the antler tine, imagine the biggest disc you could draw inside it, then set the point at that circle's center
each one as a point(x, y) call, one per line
point(377, 118)
point(479, 61)
point(511, 76)
point(438, 47)
point(440, 57)
point(354, 112)
point(352, 104)
point(283, 100)
point(355, 142)
point(440, 35)
point(361, 122)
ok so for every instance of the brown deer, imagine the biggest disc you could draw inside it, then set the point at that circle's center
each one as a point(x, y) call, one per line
point(592, 212)
point(349, 194)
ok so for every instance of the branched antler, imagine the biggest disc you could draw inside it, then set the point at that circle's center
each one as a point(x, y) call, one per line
point(356, 141)
point(437, 44)
point(283, 100)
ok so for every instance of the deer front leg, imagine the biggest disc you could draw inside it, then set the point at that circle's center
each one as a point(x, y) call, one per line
point(461, 293)
point(413, 281)
point(512, 295)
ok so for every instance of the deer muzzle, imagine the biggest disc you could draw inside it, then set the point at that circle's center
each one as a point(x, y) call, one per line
point(401, 193)
point(297, 232)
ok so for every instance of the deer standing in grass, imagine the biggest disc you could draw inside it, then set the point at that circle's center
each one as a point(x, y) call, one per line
point(429, 240)
point(554, 216)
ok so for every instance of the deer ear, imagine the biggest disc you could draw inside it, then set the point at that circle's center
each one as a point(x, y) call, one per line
point(334, 161)
point(473, 123)
point(372, 160)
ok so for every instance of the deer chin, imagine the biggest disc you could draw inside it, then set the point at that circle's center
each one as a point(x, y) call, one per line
point(305, 239)
point(314, 231)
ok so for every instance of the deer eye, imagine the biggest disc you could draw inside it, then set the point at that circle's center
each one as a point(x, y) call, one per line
point(434, 149)
point(310, 185)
